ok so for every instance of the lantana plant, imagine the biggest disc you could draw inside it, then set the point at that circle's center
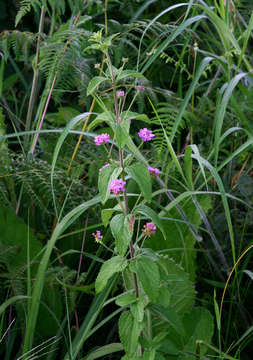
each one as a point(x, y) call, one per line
point(149, 322)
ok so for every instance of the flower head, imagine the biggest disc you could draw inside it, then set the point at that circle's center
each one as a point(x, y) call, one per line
point(141, 88)
point(149, 229)
point(98, 237)
point(120, 93)
point(154, 171)
point(101, 139)
point(145, 134)
point(105, 165)
point(117, 186)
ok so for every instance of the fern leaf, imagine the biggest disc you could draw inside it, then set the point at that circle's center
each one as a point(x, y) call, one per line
point(25, 8)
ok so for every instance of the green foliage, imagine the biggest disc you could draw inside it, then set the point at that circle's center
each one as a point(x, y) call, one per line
point(122, 232)
point(140, 174)
point(108, 269)
point(192, 61)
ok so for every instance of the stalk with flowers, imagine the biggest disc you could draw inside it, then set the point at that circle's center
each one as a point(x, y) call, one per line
point(144, 325)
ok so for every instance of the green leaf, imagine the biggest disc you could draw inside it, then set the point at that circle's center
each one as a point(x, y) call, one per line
point(198, 326)
point(188, 166)
point(106, 175)
point(104, 350)
point(122, 232)
point(121, 134)
point(147, 211)
point(130, 115)
point(108, 269)
point(106, 116)
point(140, 174)
point(177, 238)
point(94, 83)
point(129, 331)
point(137, 310)
point(181, 289)
point(126, 299)
point(130, 73)
point(106, 215)
point(169, 316)
point(148, 274)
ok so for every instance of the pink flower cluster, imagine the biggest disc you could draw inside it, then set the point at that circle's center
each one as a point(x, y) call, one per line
point(120, 93)
point(98, 237)
point(141, 88)
point(154, 171)
point(101, 139)
point(145, 134)
point(117, 186)
point(149, 229)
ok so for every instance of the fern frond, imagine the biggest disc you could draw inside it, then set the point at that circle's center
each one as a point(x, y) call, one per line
point(19, 42)
point(167, 113)
point(25, 8)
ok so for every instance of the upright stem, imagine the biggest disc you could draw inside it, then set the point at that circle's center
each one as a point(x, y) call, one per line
point(35, 76)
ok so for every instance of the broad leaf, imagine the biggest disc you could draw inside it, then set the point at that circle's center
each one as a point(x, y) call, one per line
point(148, 274)
point(106, 215)
point(126, 299)
point(129, 331)
point(94, 84)
point(122, 232)
point(140, 174)
point(129, 73)
point(108, 269)
point(198, 326)
point(106, 175)
point(121, 135)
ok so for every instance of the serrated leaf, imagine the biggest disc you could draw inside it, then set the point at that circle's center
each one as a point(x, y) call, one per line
point(122, 232)
point(149, 276)
point(198, 325)
point(170, 317)
point(108, 269)
point(121, 134)
point(140, 174)
point(129, 331)
point(94, 84)
point(177, 281)
point(130, 73)
point(106, 175)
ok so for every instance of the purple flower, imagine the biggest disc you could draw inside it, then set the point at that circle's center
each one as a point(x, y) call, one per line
point(117, 186)
point(105, 165)
point(98, 237)
point(101, 139)
point(154, 171)
point(120, 93)
point(149, 229)
point(141, 88)
point(145, 134)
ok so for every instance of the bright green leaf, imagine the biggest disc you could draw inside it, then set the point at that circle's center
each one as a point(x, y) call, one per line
point(94, 84)
point(121, 231)
point(106, 175)
point(108, 269)
point(149, 276)
point(129, 331)
point(140, 174)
